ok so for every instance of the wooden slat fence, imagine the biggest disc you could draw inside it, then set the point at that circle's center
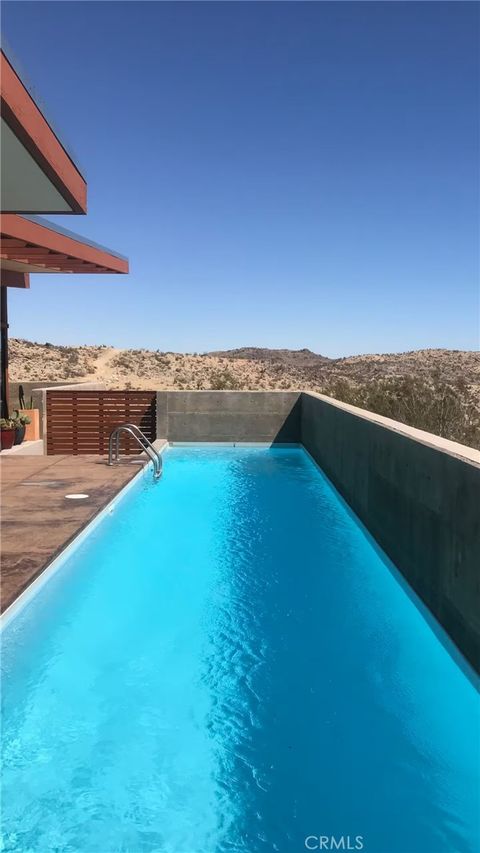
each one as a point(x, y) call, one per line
point(80, 422)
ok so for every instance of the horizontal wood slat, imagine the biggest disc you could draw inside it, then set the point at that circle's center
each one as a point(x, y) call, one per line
point(81, 421)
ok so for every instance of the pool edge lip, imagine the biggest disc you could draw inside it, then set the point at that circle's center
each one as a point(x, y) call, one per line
point(16, 607)
point(271, 445)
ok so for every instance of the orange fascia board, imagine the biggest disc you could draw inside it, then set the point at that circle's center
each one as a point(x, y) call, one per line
point(32, 129)
point(80, 255)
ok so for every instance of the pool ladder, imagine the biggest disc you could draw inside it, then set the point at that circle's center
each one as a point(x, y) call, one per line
point(141, 439)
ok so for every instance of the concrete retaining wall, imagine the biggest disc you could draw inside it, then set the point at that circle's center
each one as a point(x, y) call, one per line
point(418, 495)
point(229, 416)
point(30, 387)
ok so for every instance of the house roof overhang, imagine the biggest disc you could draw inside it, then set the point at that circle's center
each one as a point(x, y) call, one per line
point(31, 245)
point(37, 173)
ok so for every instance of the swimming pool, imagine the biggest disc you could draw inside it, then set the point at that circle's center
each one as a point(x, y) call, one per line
point(228, 663)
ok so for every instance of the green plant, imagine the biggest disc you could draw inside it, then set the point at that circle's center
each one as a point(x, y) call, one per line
point(7, 423)
point(448, 410)
point(21, 399)
point(21, 420)
point(224, 380)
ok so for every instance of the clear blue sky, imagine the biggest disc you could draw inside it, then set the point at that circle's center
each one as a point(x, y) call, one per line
point(279, 174)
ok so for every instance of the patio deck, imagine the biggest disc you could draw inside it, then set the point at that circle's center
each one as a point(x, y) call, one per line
point(37, 521)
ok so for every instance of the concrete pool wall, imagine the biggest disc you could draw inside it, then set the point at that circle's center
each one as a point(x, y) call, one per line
point(418, 495)
point(229, 416)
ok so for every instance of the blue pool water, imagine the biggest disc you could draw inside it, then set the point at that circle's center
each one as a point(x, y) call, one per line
point(228, 665)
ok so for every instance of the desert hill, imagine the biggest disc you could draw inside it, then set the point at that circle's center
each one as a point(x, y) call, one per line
point(247, 368)
point(298, 358)
point(433, 389)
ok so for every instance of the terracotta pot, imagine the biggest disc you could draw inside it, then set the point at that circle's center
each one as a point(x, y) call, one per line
point(19, 434)
point(32, 430)
point(7, 437)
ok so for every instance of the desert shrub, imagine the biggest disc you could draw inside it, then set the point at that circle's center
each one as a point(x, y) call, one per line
point(162, 360)
point(123, 362)
point(448, 410)
point(224, 380)
point(72, 366)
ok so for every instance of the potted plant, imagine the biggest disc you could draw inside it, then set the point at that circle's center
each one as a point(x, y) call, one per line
point(32, 426)
point(20, 422)
point(7, 433)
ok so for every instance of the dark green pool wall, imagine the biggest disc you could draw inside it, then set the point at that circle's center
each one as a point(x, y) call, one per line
point(420, 502)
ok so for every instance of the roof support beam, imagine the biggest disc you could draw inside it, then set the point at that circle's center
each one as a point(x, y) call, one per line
point(11, 278)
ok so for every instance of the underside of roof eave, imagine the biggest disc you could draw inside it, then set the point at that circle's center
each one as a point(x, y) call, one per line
point(29, 126)
point(31, 247)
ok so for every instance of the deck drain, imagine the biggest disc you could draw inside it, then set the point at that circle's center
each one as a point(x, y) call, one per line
point(78, 497)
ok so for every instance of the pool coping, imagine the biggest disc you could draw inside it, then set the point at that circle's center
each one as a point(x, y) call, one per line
point(436, 442)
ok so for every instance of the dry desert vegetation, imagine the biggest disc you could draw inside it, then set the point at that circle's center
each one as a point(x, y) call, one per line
point(433, 389)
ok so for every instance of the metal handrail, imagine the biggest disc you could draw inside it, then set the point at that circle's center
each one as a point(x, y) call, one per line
point(142, 440)
point(141, 437)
